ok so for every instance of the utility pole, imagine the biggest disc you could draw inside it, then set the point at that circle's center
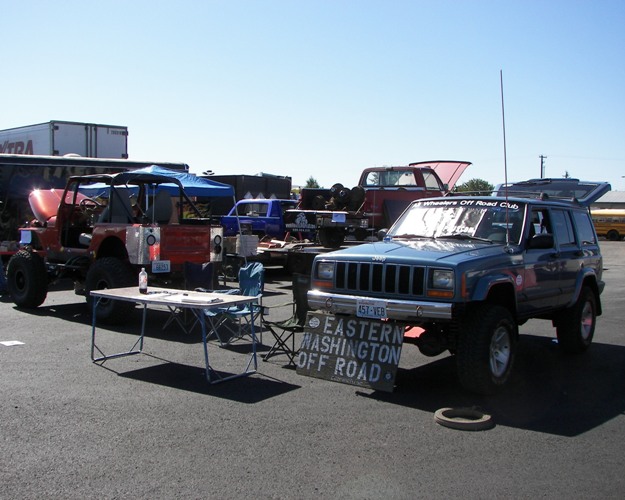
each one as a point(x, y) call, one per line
point(542, 166)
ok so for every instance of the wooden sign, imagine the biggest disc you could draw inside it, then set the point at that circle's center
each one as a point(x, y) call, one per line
point(357, 351)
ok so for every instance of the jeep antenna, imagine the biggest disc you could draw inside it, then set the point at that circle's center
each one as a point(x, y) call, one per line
point(505, 158)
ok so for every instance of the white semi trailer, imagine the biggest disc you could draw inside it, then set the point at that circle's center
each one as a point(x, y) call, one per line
point(60, 138)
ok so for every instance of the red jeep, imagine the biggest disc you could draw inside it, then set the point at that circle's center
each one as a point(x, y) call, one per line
point(102, 229)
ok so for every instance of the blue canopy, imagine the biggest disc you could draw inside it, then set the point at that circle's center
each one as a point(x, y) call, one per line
point(193, 185)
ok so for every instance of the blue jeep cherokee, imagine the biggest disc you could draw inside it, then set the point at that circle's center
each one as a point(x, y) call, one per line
point(469, 270)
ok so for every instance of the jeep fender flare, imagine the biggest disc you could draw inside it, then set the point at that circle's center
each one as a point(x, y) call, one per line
point(586, 277)
point(485, 284)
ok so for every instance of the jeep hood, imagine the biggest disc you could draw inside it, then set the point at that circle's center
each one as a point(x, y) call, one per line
point(44, 203)
point(418, 250)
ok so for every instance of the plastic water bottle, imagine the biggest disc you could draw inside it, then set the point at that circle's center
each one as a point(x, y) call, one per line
point(143, 281)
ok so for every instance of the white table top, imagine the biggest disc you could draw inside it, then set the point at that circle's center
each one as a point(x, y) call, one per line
point(169, 296)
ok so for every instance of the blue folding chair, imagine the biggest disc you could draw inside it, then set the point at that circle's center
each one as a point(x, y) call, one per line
point(233, 323)
point(196, 277)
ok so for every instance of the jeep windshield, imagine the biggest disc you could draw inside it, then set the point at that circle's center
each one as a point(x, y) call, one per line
point(479, 219)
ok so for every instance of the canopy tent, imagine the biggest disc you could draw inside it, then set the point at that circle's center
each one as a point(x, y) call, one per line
point(193, 185)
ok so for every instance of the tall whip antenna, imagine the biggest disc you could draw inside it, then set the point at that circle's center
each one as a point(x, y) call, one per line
point(503, 121)
point(505, 158)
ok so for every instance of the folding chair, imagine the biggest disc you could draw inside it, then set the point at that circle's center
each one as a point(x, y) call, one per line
point(196, 277)
point(285, 330)
point(237, 321)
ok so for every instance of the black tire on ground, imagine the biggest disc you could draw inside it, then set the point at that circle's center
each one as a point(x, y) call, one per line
point(486, 349)
point(27, 279)
point(110, 272)
point(575, 327)
point(331, 237)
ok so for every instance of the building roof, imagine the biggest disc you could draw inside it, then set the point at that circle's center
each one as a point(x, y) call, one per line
point(612, 199)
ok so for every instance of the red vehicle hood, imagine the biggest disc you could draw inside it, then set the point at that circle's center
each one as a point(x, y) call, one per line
point(44, 203)
point(448, 171)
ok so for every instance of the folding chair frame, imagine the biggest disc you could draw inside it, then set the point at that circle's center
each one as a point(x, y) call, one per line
point(285, 330)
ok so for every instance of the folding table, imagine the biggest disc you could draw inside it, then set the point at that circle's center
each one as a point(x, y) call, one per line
point(196, 302)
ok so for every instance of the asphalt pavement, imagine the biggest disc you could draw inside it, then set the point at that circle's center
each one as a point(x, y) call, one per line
point(148, 426)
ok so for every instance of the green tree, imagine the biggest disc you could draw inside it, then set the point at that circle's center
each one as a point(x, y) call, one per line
point(312, 182)
point(475, 187)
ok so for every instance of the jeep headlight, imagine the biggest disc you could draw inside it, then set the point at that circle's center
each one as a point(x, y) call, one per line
point(325, 270)
point(443, 279)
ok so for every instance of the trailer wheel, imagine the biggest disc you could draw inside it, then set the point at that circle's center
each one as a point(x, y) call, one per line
point(486, 350)
point(331, 237)
point(27, 279)
point(110, 272)
point(575, 327)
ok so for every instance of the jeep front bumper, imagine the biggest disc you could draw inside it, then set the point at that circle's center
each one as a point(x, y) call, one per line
point(403, 310)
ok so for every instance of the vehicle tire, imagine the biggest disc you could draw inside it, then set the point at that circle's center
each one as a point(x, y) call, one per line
point(318, 203)
point(613, 235)
point(575, 327)
point(331, 238)
point(110, 272)
point(486, 349)
point(335, 189)
point(27, 279)
point(357, 198)
point(361, 234)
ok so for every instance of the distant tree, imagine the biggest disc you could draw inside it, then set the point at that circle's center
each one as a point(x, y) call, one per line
point(312, 182)
point(475, 187)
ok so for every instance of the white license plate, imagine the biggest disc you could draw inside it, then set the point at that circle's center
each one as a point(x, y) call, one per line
point(161, 266)
point(370, 308)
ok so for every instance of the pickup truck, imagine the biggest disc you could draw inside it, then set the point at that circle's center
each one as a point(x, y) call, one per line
point(380, 197)
point(467, 272)
point(262, 217)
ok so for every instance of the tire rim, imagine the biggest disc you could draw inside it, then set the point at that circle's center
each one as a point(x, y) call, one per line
point(102, 284)
point(587, 322)
point(500, 351)
point(20, 281)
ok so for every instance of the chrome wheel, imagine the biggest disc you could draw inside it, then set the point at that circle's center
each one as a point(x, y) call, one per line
point(500, 351)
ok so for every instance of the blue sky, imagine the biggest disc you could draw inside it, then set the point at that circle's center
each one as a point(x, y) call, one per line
point(326, 88)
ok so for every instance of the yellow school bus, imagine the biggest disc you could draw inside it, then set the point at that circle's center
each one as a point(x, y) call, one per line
point(609, 222)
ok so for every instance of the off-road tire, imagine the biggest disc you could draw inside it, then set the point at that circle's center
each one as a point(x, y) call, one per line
point(486, 349)
point(575, 326)
point(331, 237)
point(27, 279)
point(110, 272)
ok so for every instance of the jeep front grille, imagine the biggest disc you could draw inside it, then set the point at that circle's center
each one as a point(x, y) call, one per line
point(380, 278)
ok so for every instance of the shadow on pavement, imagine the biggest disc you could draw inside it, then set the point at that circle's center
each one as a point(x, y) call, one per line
point(249, 390)
point(550, 392)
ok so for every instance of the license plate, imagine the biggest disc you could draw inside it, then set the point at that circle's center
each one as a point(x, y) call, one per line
point(371, 308)
point(161, 266)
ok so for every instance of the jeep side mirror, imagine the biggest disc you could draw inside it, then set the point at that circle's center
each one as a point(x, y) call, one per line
point(382, 233)
point(541, 241)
